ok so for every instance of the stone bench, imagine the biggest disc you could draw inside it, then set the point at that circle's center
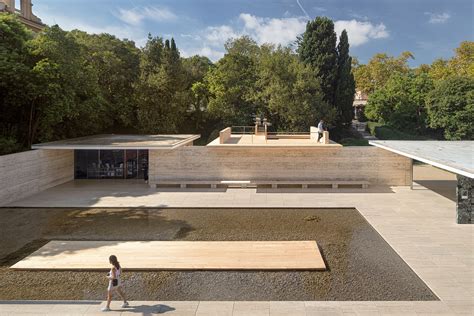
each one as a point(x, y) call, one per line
point(305, 183)
point(249, 183)
point(212, 183)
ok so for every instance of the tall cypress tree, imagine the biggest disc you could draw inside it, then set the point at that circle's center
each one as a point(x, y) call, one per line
point(345, 84)
point(317, 47)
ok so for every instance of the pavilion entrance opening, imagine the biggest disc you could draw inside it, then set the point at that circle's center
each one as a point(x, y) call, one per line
point(111, 164)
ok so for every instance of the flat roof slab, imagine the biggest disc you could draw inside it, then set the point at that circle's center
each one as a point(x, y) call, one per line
point(113, 141)
point(246, 140)
point(453, 156)
point(176, 255)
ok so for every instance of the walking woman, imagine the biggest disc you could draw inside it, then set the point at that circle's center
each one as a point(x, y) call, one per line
point(114, 283)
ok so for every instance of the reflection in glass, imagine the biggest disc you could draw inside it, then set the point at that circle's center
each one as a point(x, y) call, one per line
point(80, 164)
point(131, 166)
point(111, 164)
point(143, 164)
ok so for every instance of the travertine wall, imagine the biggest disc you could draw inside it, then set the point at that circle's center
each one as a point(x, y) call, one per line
point(30, 172)
point(224, 135)
point(272, 163)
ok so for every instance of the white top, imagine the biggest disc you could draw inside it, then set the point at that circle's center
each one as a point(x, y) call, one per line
point(320, 127)
point(117, 274)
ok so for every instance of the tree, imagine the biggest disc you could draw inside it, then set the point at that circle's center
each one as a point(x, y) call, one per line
point(379, 69)
point(401, 102)
point(451, 107)
point(440, 70)
point(160, 92)
point(196, 68)
point(462, 64)
point(117, 65)
point(290, 91)
point(463, 61)
point(15, 75)
point(345, 84)
point(66, 100)
point(317, 47)
point(231, 83)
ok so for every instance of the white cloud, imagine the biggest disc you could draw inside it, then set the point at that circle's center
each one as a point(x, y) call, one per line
point(360, 32)
point(438, 18)
point(211, 53)
point(191, 36)
point(218, 35)
point(264, 30)
point(283, 31)
point(273, 30)
point(137, 15)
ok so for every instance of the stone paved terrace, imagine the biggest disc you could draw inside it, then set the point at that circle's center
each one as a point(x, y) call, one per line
point(418, 224)
point(237, 308)
point(245, 140)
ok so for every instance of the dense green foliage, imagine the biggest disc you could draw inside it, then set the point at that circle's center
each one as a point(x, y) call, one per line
point(332, 65)
point(232, 83)
point(117, 65)
point(354, 142)
point(400, 102)
point(345, 83)
point(290, 90)
point(317, 47)
point(451, 107)
point(421, 101)
point(376, 73)
point(385, 132)
point(58, 84)
point(161, 89)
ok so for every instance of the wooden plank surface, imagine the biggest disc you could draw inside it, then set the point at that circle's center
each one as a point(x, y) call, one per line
point(176, 255)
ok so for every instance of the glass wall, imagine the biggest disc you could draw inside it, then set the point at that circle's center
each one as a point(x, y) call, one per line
point(111, 164)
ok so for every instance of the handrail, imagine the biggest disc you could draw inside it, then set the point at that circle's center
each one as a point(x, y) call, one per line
point(289, 133)
point(244, 129)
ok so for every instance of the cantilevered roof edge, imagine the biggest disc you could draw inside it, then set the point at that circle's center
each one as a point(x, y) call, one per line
point(425, 160)
point(56, 145)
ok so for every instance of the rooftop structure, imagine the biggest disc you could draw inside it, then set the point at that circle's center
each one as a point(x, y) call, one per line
point(112, 141)
point(25, 13)
point(258, 136)
point(360, 99)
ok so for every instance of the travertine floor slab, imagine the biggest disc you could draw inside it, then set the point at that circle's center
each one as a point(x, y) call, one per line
point(176, 255)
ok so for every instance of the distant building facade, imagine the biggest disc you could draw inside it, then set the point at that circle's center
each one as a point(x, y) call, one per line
point(25, 13)
point(360, 100)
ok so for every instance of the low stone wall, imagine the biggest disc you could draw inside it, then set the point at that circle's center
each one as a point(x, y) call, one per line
point(313, 132)
point(372, 164)
point(30, 172)
point(224, 135)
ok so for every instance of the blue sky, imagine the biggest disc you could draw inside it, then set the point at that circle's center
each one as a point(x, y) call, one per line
point(428, 28)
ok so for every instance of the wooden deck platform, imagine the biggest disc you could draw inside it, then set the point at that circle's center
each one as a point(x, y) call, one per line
point(176, 255)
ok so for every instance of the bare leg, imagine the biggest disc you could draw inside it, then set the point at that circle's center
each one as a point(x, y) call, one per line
point(109, 298)
point(121, 293)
